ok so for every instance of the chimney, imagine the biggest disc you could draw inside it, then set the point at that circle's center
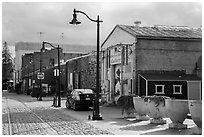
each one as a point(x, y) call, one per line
point(137, 23)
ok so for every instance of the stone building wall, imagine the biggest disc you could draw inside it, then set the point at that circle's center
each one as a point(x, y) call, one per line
point(163, 55)
point(88, 72)
point(82, 72)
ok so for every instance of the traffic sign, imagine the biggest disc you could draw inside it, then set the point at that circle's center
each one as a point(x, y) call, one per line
point(40, 75)
point(56, 72)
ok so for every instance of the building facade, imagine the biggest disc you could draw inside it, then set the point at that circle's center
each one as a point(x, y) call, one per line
point(49, 61)
point(130, 52)
point(22, 48)
point(81, 72)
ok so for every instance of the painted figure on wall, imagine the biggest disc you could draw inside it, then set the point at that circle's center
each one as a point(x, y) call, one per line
point(117, 82)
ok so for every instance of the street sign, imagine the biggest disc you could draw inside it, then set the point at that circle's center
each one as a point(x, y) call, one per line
point(56, 72)
point(40, 75)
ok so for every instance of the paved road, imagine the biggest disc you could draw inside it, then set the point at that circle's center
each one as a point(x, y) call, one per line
point(23, 115)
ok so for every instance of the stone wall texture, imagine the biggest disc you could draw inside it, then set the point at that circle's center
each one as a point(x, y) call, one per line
point(163, 55)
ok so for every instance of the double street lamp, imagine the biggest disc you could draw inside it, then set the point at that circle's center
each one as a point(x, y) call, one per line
point(58, 71)
point(96, 113)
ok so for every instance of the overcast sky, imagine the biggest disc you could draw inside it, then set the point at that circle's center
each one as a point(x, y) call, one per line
point(23, 21)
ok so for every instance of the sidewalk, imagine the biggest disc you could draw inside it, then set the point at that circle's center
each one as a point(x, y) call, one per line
point(115, 123)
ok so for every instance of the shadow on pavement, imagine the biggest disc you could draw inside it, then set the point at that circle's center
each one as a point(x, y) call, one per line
point(141, 127)
point(170, 132)
point(123, 121)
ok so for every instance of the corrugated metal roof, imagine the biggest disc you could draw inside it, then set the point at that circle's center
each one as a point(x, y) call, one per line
point(161, 31)
point(168, 77)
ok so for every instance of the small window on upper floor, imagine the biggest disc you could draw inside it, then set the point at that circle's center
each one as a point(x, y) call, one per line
point(115, 49)
point(52, 62)
point(159, 89)
point(177, 89)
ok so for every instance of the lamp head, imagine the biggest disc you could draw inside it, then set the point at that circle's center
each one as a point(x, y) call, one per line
point(74, 20)
point(43, 47)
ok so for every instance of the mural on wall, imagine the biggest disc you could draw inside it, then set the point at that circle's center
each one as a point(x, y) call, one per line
point(117, 81)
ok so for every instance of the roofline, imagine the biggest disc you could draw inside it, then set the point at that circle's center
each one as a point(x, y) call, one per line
point(194, 80)
point(108, 36)
point(149, 37)
point(142, 77)
point(164, 38)
point(72, 59)
point(175, 80)
point(169, 38)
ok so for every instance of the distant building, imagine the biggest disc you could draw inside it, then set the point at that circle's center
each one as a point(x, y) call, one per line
point(133, 55)
point(31, 66)
point(21, 48)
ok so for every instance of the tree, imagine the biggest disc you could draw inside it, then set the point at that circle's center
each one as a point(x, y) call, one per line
point(6, 55)
point(7, 64)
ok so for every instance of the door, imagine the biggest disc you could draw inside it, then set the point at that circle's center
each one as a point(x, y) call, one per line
point(194, 90)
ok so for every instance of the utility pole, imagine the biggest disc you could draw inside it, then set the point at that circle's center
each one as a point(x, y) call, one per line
point(62, 37)
point(40, 33)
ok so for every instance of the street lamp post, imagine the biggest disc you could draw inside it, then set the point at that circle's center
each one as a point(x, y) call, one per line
point(40, 95)
point(33, 75)
point(58, 56)
point(96, 113)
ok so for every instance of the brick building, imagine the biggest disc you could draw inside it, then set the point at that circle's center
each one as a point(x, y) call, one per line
point(133, 52)
point(22, 48)
point(81, 72)
point(31, 66)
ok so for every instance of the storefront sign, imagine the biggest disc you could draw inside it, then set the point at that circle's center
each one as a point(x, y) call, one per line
point(115, 59)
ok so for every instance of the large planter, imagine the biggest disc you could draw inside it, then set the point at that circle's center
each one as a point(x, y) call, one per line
point(157, 110)
point(177, 111)
point(140, 108)
point(195, 107)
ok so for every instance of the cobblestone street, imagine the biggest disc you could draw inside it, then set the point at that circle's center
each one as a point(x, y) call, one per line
point(22, 116)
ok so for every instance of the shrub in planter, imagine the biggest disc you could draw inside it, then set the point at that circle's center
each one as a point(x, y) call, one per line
point(140, 108)
point(177, 110)
point(157, 109)
point(126, 102)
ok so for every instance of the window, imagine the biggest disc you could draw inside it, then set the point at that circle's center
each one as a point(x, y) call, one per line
point(116, 49)
point(109, 54)
point(52, 62)
point(177, 89)
point(159, 89)
point(126, 54)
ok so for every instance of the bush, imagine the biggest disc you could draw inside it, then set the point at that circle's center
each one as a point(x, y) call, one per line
point(126, 102)
point(156, 99)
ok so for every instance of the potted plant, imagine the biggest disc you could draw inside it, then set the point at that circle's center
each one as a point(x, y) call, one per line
point(126, 102)
point(157, 109)
point(177, 111)
point(141, 108)
point(195, 107)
